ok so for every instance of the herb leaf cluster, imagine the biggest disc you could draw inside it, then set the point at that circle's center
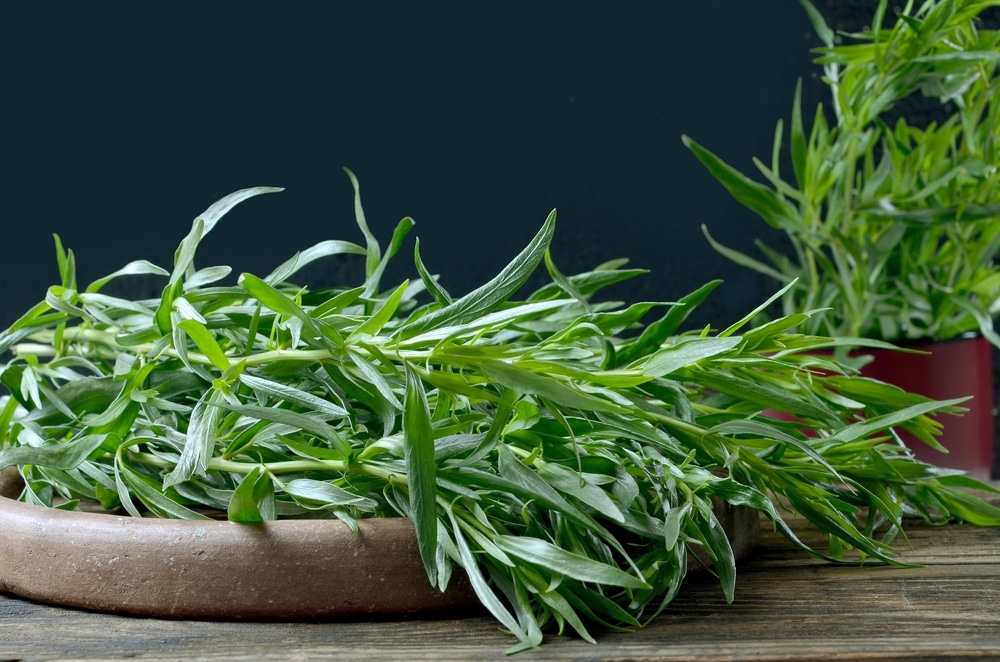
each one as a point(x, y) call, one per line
point(563, 452)
point(894, 228)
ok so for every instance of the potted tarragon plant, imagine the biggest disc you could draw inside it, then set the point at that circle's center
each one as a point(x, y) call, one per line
point(893, 228)
point(559, 458)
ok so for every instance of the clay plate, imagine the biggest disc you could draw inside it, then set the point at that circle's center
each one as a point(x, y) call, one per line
point(287, 569)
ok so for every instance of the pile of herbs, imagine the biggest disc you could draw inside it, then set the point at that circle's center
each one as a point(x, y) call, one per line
point(561, 450)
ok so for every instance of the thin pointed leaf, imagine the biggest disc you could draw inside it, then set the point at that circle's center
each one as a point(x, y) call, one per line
point(525, 381)
point(686, 353)
point(253, 498)
point(200, 440)
point(319, 493)
point(657, 333)
point(398, 236)
point(205, 342)
point(374, 251)
point(65, 456)
point(421, 472)
point(558, 560)
point(488, 297)
point(291, 394)
point(435, 289)
point(380, 317)
point(756, 197)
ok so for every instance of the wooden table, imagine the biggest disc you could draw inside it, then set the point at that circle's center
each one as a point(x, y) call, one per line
point(788, 606)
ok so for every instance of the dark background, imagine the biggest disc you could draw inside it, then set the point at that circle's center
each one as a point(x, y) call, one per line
point(122, 121)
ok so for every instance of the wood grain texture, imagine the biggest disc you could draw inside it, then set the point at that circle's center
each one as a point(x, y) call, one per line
point(788, 606)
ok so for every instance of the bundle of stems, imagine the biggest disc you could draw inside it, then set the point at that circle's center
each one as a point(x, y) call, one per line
point(564, 451)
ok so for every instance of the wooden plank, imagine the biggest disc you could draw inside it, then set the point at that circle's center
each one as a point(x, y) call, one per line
point(921, 544)
point(789, 606)
point(812, 617)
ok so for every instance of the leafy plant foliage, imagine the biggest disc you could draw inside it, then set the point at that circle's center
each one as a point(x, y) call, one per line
point(894, 228)
point(563, 453)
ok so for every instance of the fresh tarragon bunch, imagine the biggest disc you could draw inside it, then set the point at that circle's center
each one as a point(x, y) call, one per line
point(564, 450)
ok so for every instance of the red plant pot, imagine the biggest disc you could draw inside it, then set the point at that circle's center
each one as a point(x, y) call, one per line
point(952, 369)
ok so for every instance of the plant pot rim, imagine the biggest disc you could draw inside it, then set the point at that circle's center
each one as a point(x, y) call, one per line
point(909, 343)
point(216, 569)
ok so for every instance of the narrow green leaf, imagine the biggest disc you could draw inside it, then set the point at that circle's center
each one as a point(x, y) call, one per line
point(435, 289)
point(557, 560)
point(398, 236)
point(819, 24)
point(960, 503)
point(253, 499)
point(65, 456)
point(488, 297)
point(311, 423)
point(797, 138)
point(65, 263)
point(515, 478)
point(746, 319)
point(687, 352)
point(338, 302)
point(134, 268)
point(291, 394)
point(775, 331)
point(322, 249)
point(184, 255)
point(380, 317)
point(765, 431)
point(575, 484)
point(591, 282)
point(563, 282)
point(760, 394)
point(223, 206)
point(200, 440)
point(959, 56)
point(372, 376)
point(315, 494)
point(522, 313)
point(22, 326)
point(983, 317)
point(81, 397)
point(672, 524)
point(756, 197)
point(205, 342)
point(558, 391)
point(721, 551)
point(743, 259)
point(560, 606)
point(421, 472)
point(657, 333)
point(483, 591)
point(277, 301)
point(374, 251)
point(148, 491)
point(303, 449)
point(871, 426)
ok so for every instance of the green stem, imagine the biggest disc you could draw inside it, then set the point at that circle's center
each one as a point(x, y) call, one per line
point(289, 466)
point(107, 338)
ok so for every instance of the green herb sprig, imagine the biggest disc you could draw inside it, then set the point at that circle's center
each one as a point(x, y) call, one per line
point(893, 228)
point(563, 452)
